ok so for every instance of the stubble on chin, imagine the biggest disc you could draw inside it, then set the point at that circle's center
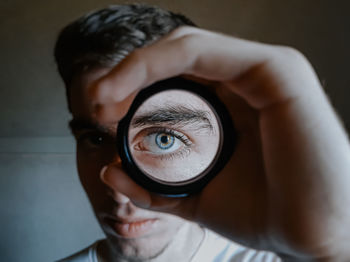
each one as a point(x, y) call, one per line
point(131, 250)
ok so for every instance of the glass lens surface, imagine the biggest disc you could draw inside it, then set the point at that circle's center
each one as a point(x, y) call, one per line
point(174, 136)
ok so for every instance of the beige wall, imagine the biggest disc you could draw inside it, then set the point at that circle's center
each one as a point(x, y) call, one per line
point(39, 190)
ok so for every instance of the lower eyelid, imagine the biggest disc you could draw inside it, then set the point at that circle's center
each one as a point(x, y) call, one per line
point(184, 152)
point(181, 154)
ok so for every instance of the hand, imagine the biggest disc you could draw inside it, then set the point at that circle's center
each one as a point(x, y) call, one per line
point(286, 188)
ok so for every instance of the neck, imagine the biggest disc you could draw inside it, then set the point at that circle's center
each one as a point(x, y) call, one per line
point(183, 247)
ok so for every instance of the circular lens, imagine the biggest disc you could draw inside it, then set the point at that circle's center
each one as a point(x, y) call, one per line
point(174, 136)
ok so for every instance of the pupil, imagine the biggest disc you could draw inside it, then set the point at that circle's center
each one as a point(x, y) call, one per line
point(164, 139)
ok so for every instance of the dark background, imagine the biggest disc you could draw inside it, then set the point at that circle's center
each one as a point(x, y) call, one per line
point(44, 213)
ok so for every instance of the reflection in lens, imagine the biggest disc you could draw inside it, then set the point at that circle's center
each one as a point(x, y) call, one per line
point(174, 136)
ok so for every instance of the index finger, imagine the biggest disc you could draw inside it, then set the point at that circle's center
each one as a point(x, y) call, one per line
point(196, 52)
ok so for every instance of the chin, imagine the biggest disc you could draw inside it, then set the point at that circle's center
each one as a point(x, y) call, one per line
point(142, 248)
point(143, 242)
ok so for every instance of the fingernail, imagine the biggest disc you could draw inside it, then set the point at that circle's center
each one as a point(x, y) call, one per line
point(102, 173)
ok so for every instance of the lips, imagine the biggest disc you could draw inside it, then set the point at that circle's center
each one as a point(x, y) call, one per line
point(131, 228)
point(134, 229)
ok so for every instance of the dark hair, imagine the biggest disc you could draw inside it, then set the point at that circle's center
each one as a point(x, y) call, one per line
point(106, 36)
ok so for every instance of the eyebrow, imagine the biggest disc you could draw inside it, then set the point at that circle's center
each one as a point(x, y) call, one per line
point(79, 124)
point(174, 115)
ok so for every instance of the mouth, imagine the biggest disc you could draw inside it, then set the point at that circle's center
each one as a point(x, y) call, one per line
point(133, 228)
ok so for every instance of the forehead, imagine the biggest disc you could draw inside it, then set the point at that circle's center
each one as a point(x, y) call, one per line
point(78, 93)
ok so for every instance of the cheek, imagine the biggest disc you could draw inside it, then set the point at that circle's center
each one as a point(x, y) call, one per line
point(89, 164)
point(169, 225)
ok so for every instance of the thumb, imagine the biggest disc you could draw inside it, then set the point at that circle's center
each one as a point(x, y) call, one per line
point(115, 178)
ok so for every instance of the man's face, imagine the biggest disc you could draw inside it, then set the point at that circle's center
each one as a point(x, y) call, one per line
point(133, 231)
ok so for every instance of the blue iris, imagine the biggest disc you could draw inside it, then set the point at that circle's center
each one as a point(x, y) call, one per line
point(164, 141)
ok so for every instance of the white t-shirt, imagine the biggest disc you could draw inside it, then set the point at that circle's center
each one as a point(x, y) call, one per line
point(214, 248)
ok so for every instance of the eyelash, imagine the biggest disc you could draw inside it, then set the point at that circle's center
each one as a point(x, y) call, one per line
point(184, 139)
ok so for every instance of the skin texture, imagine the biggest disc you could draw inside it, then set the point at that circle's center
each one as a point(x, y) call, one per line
point(162, 236)
point(286, 187)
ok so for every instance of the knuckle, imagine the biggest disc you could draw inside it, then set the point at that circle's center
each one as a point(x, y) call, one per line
point(292, 54)
point(103, 91)
point(188, 46)
point(189, 41)
point(182, 31)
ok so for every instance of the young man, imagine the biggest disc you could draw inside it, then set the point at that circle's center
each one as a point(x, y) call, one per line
point(279, 191)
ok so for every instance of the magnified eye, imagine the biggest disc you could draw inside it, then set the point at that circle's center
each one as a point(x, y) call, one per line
point(163, 142)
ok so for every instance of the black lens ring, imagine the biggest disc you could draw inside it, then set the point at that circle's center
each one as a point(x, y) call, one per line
point(224, 118)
